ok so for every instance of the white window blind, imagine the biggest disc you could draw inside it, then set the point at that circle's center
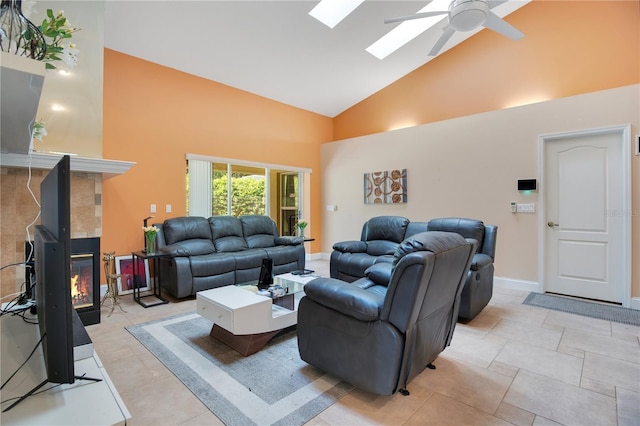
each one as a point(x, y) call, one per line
point(200, 188)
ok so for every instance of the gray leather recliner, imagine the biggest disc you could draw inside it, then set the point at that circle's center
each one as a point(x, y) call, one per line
point(379, 337)
point(478, 287)
point(379, 239)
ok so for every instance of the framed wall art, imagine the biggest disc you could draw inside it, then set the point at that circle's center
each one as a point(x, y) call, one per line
point(385, 187)
point(124, 268)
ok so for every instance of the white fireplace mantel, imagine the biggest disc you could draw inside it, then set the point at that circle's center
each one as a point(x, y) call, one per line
point(37, 160)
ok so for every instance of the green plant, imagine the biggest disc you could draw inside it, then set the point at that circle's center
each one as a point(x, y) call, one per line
point(39, 131)
point(56, 29)
point(150, 230)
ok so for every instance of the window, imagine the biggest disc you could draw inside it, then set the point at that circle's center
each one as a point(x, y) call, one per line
point(217, 187)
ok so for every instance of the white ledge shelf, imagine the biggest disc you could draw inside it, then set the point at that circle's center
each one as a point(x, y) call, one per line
point(39, 160)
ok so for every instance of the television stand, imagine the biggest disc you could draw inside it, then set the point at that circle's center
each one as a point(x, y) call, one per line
point(68, 404)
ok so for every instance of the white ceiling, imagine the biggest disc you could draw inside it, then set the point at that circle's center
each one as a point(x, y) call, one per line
point(275, 48)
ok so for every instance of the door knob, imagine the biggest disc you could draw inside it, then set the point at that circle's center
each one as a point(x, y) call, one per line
point(550, 224)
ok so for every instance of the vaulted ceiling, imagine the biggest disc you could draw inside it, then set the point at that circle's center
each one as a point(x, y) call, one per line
point(276, 49)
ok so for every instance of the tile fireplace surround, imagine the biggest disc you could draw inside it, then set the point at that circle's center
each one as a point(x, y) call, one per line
point(18, 209)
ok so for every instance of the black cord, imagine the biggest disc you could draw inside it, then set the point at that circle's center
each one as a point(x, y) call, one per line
point(35, 393)
point(18, 300)
point(22, 314)
point(12, 264)
point(83, 377)
point(25, 361)
point(7, 310)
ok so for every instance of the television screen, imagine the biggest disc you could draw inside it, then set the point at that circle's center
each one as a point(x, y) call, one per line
point(53, 274)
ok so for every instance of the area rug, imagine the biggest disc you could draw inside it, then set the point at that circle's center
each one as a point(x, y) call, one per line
point(271, 387)
point(584, 308)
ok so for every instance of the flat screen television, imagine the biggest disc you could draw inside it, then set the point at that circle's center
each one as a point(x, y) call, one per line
point(52, 264)
point(53, 273)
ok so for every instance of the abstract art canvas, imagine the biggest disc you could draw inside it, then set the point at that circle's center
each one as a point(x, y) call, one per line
point(385, 187)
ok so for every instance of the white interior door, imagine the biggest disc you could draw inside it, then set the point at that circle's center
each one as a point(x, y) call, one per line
point(586, 233)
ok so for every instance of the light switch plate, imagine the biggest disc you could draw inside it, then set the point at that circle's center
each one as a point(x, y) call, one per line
point(526, 208)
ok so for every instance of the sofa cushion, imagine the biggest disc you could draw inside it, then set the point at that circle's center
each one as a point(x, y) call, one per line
point(282, 255)
point(249, 259)
point(194, 247)
point(226, 232)
point(388, 228)
point(381, 247)
point(434, 241)
point(468, 228)
point(259, 231)
point(212, 264)
point(186, 228)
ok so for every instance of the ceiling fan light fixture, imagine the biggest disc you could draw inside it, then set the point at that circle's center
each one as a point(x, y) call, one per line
point(467, 15)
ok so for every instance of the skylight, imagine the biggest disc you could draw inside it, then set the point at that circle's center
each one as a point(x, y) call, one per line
point(331, 12)
point(408, 30)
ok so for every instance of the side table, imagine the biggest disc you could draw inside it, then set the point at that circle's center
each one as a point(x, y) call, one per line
point(305, 271)
point(155, 284)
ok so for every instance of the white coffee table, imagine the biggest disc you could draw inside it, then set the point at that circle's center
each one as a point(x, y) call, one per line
point(245, 320)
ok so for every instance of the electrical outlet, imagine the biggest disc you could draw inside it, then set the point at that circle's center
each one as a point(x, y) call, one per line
point(152, 209)
point(526, 208)
point(167, 208)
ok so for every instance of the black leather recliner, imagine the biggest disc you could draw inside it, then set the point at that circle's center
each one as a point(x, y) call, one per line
point(379, 239)
point(379, 337)
point(371, 256)
point(478, 287)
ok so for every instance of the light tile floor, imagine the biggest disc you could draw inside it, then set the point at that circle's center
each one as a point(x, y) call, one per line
point(513, 364)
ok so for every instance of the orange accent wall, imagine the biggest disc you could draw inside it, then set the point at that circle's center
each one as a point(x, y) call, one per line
point(569, 48)
point(155, 115)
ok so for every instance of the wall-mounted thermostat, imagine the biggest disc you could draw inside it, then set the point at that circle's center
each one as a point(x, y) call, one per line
point(526, 184)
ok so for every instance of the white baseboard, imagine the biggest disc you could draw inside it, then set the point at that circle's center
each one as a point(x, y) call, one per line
point(318, 256)
point(635, 303)
point(516, 284)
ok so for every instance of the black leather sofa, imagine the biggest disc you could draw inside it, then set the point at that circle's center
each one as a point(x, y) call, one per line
point(222, 250)
point(379, 239)
point(378, 337)
point(372, 255)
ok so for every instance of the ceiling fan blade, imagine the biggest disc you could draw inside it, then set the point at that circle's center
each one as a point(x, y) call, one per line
point(448, 32)
point(416, 16)
point(499, 25)
point(494, 3)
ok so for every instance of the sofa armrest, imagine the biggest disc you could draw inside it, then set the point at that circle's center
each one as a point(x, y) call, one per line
point(175, 250)
point(351, 247)
point(480, 261)
point(288, 241)
point(345, 298)
point(380, 273)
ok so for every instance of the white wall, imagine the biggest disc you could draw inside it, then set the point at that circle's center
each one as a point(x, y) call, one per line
point(77, 128)
point(469, 167)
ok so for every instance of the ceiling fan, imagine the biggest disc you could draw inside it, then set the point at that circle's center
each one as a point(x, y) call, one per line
point(466, 15)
